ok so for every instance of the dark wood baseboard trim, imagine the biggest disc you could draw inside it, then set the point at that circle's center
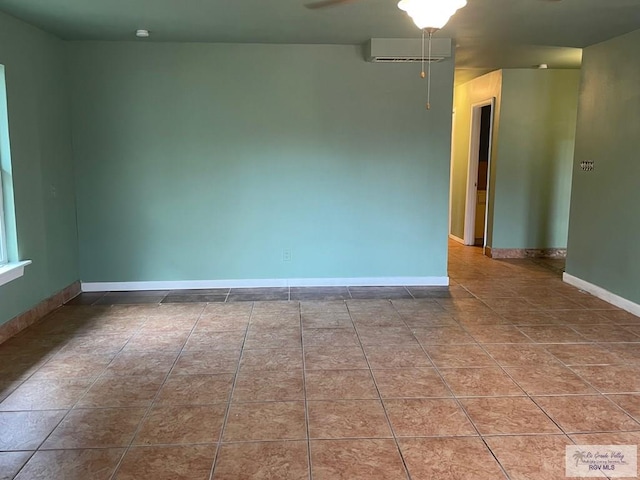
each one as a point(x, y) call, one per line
point(526, 252)
point(31, 316)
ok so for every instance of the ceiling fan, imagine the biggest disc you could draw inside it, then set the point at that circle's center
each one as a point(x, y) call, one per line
point(335, 3)
point(327, 3)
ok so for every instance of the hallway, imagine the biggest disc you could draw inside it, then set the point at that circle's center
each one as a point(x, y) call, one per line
point(489, 378)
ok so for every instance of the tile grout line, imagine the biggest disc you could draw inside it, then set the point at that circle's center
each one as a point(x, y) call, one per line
point(152, 403)
point(380, 399)
point(306, 400)
point(72, 407)
point(457, 401)
point(230, 397)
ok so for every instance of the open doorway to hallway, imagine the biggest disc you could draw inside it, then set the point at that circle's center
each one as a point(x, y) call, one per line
point(476, 214)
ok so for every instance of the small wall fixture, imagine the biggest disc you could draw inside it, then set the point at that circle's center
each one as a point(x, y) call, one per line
point(142, 33)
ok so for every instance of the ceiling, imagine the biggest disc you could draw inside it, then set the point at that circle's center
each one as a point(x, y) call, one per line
point(489, 34)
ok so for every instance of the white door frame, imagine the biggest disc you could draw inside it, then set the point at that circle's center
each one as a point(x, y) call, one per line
point(453, 136)
point(472, 172)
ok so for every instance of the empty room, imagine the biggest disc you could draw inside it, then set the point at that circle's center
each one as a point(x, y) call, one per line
point(318, 240)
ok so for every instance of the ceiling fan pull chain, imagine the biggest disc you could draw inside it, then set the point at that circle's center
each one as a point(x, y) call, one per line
point(422, 74)
point(429, 75)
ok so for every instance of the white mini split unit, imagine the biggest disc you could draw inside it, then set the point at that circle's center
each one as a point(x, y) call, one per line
point(402, 50)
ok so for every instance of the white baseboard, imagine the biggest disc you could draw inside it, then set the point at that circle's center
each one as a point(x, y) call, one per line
point(276, 282)
point(456, 239)
point(602, 294)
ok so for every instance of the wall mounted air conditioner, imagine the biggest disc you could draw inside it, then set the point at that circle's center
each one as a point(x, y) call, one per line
point(400, 50)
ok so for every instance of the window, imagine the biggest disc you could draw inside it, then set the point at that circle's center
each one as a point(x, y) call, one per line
point(10, 265)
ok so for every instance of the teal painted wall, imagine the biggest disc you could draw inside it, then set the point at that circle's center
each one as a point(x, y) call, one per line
point(533, 165)
point(605, 224)
point(199, 162)
point(41, 158)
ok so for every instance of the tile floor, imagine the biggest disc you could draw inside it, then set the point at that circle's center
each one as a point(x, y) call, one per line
point(488, 379)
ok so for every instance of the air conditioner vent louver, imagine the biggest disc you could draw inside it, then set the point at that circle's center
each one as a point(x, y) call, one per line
point(405, 50)
point(405, 59)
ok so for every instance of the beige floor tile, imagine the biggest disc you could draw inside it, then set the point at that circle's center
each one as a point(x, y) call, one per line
point(583, 354)
point(207, 363)
point(222, 324)
point(96, 464)
point(263, 461)
point(282, 338)
point(401, 335)
point(192, 462)
point(521, 355)
point(507, 415)
point(347, 419)
point(142, 363)
point(154, 325)
point(427, 418)
point(95, 428)
point(271, 359)
point(479, 382)
point(497, 334)
point(168, 341)
point(195, 389)
point(46, 394)
point(611, 378)
point(549, 380)
point(410, 383)
point(534, 318)
point(86, 366)
point(396, 356)
point(204, 341)
point(606, 333)
point(553, 334)
point(181, 425)
point(453, 356)
point(340, 385)
point(265, 421)
point(580, 317)
point(11, 463)
point(447, 458)
point(370, 459)
point(269, 385)
point(326, 320)
point(27, 430)
point(533, 457)
point(629, 403)
point(584, 414)
point(122, 391)
point(324, 337)
point(329, 358)
point(443, 336)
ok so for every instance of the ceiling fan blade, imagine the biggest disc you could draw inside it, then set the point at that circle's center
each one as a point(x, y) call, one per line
point(327, 3)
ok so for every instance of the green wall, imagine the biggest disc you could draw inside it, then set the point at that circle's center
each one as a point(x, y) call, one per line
point(605, 224)
point(532, 155)
point(41, 160)
point(534, 158)
point(205, 162)
point(475, 91)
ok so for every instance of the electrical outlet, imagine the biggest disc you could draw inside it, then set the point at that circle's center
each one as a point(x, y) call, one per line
point(53, 191)
point(587, 165)
point(286, 255)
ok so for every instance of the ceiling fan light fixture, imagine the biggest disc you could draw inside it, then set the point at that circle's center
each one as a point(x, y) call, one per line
point(431, 14)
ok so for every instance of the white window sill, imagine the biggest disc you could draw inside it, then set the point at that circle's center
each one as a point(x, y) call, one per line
point(11, 271)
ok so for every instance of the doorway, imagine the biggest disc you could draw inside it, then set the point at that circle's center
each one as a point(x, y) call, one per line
point(477, 201)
